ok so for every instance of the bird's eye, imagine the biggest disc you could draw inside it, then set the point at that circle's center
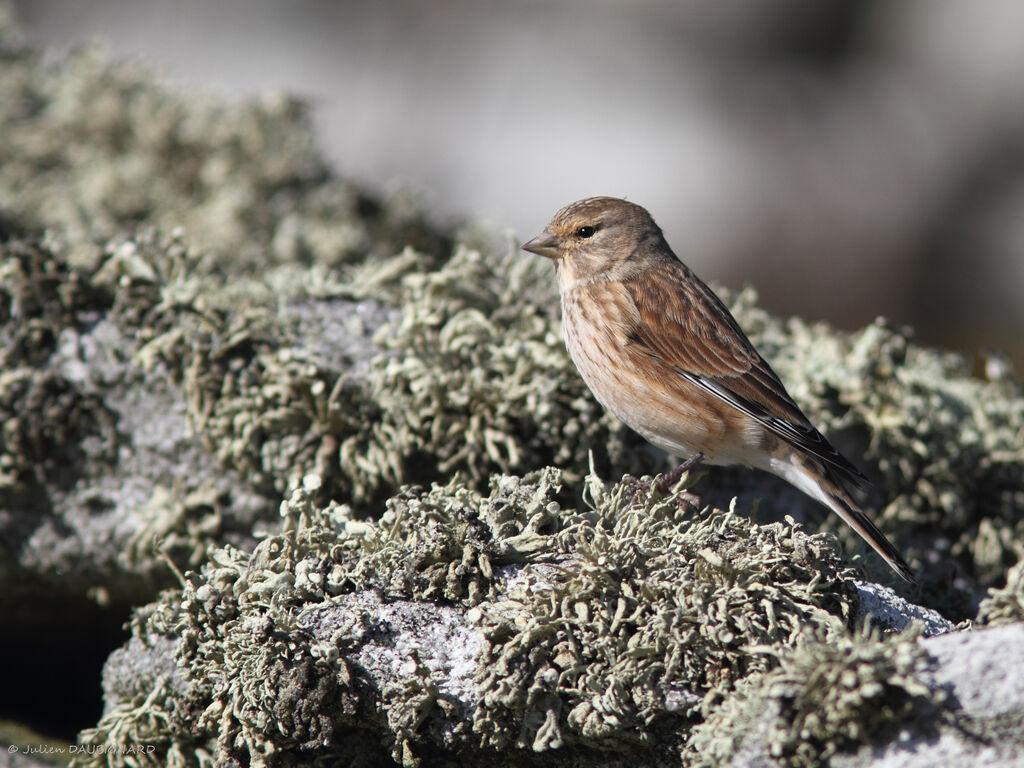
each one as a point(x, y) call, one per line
point(585, 232)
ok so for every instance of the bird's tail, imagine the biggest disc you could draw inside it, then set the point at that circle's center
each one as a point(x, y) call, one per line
point(820, 481)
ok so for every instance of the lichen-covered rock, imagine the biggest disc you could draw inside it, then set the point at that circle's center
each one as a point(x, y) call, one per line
point(871, 702)
point(476, 379)
point(162, 387)
point(151, 391)
point(982, 726)
point(92, 149)
point(306, 326)
point(99, 467)
point(496, 628)
point(825, 697)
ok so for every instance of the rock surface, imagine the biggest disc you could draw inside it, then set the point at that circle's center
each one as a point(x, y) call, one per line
point(981, 670)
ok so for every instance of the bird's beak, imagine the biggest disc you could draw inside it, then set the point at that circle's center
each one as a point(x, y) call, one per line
point(544, 244)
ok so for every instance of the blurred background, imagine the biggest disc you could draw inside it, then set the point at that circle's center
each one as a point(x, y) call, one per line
point(849, 159)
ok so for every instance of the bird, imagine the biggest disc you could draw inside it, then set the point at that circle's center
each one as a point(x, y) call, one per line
point(660, 350)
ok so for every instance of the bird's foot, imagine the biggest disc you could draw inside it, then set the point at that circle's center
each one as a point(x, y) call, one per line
point(665, 483)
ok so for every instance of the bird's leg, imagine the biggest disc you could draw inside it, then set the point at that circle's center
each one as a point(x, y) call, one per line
point(665, 483)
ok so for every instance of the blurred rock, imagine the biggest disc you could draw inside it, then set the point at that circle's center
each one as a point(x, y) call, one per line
point(850, 160)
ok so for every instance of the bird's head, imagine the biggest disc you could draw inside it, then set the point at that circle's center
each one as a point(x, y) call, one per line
point(596, 236)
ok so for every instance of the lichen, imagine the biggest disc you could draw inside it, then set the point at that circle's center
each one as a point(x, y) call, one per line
point(46, 415)
point(1006, 604)
point(140, 731)
point(825, 696)
point(659, 603)
point(91, 447)
point(93, 148)
point(601, 626)
point(467, 376)
point(216, 230)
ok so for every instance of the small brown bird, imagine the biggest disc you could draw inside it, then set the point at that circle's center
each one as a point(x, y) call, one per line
point(660, 350)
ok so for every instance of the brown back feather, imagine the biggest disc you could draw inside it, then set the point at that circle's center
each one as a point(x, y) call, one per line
point(681, 323)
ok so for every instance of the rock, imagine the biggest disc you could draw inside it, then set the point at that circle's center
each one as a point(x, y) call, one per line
point(889, 611)
point(983, 672)
point(463, 628)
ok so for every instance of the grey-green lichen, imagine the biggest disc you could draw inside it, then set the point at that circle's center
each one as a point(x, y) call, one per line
point(475, 373)
point(601, 627)
point(1006, 604)
point(93, 447)
point(93, 148)
point(824, 696)
point(45, 414)
point(468, 375)
point(660, 602)
point(252, 230)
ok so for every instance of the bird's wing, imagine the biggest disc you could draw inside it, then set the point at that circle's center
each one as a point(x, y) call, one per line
point(679, 321)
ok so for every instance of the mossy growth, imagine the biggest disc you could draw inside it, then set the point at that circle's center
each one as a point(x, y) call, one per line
point(1006, 604)
point(600, 627)
point(658, 603)
point(314, 328)
point(77, 378)
point(466, 377)
point(46, 415)
point(475, 378)
point(217, 225)
point(235, 269)
point(825, 696)
point(92, 148)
